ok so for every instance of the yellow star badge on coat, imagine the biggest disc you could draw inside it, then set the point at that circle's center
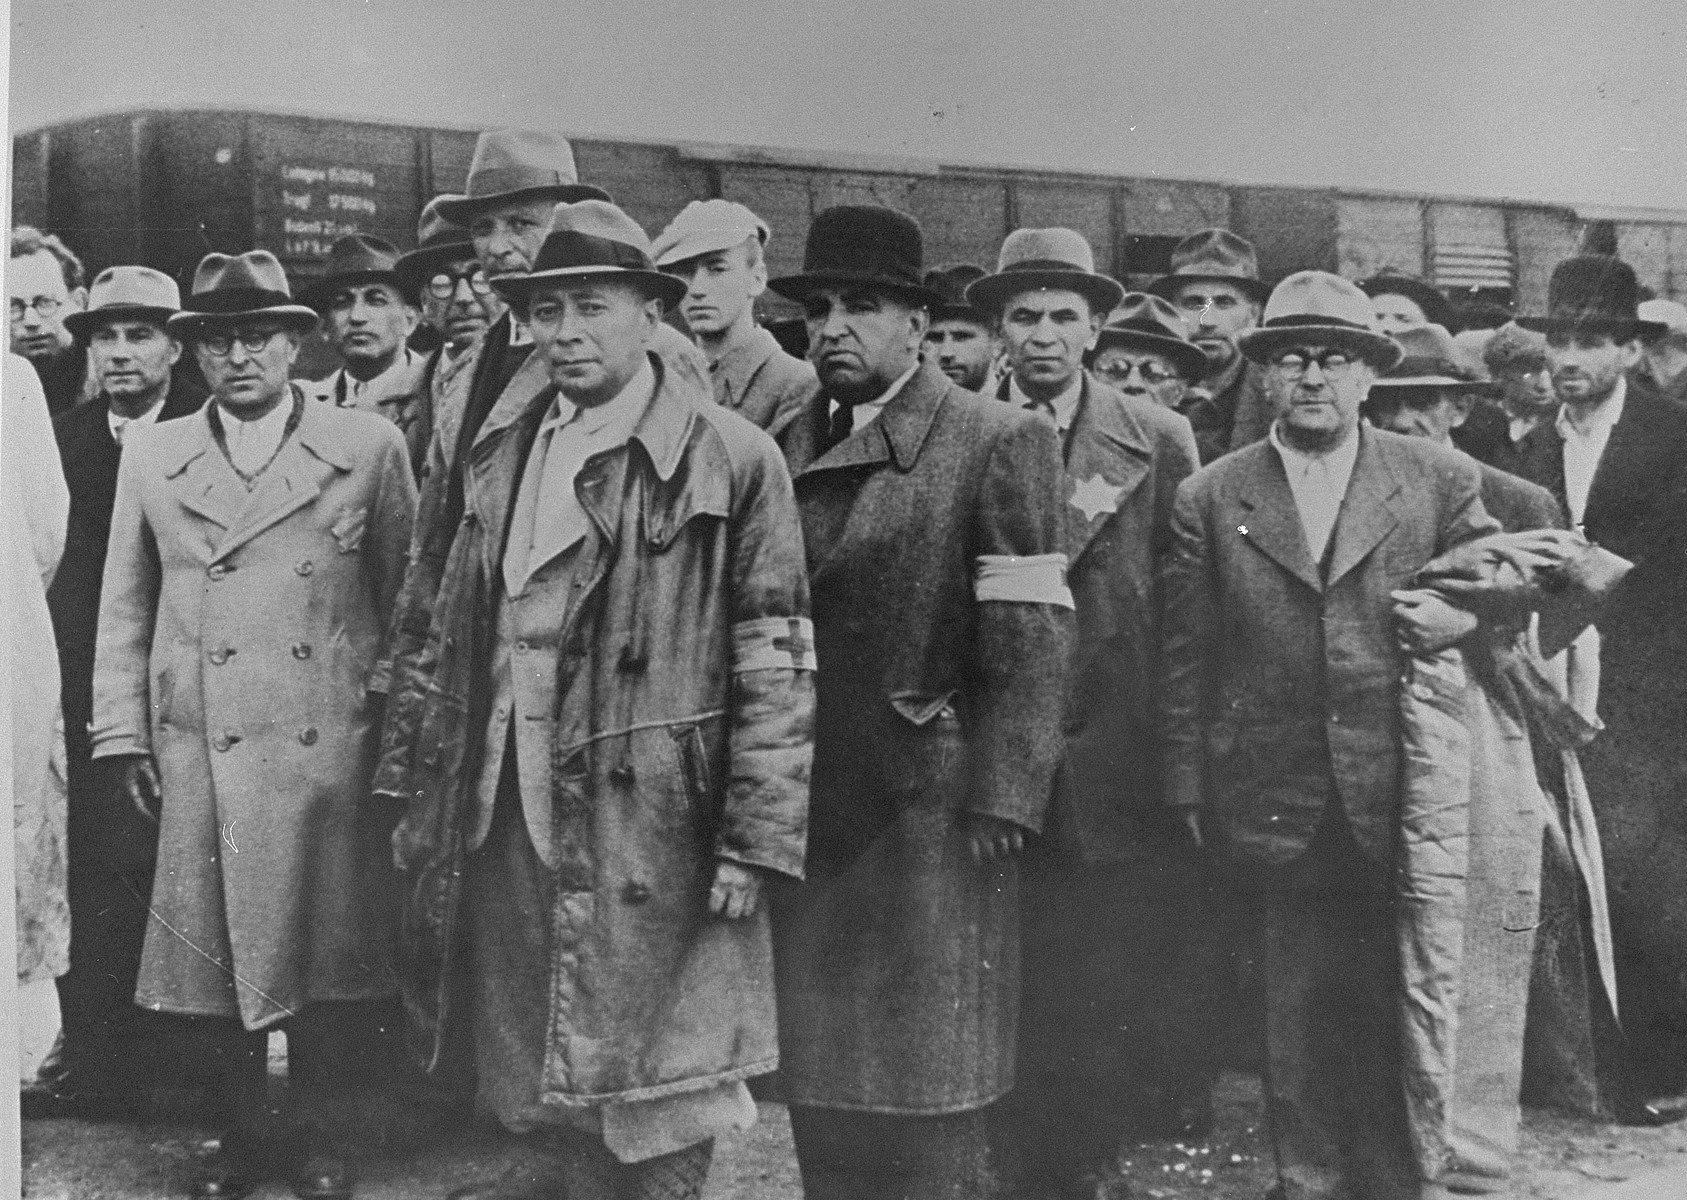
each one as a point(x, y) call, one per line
point(1095, 496)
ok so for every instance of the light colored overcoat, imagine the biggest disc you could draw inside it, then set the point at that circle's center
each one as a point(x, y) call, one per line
point(237, 633)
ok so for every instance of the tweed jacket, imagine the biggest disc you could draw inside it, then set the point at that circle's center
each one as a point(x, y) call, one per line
point(898, 959)
point(237, 632)
point(674, 742)
point(1282, 682)
point(1124, 461)
point(763, 384)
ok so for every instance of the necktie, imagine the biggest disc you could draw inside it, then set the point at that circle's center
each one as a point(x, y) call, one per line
point(841, 424)
point(1042, 406)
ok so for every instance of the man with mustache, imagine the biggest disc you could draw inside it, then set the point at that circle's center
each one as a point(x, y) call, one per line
point(718, 248)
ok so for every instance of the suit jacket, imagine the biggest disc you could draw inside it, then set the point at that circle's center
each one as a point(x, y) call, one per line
point(763, 384)
point(1237, 414)
point(1636, 507)
point(90, 455)
point(403, 396)
point(1124, 461)
point(1281, 692)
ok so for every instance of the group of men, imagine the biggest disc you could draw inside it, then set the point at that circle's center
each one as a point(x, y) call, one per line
point(601, 719)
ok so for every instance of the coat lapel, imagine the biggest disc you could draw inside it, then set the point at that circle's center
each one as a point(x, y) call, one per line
point(1270, 520)
point(530, 379)
point(206, 485)
point(1108, 457)
point(1367, 511)
point(1634, 461)
point(306, 461)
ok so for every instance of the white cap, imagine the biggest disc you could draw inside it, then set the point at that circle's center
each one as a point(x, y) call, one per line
point(1665, 312)
point(705, 226)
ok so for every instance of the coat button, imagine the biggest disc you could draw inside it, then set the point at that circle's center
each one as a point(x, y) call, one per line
point(521, 647)
point(635, 893)
point(307, 735)
point(218, 570)
point(219, 657)
point(224, 740)
point(301, 650)
point(305, 568)
point(622, 774)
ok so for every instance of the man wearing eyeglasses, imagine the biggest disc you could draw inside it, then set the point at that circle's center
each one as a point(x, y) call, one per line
point(370, 314)
point(1287, 625)
point(255, 551)
point(1102, 880)
point(44, 286)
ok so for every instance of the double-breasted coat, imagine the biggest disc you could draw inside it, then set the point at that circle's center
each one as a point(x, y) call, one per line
point(238, 630)
point(681, 736)
point(898, 959)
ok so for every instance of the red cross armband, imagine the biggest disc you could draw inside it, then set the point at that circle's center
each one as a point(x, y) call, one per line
point(786, 643)
point(1028, 579)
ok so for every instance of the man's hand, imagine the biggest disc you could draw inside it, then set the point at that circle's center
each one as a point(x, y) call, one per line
point(138, 778)
point(736, 892)
point(1426, 623)
point(991, 839)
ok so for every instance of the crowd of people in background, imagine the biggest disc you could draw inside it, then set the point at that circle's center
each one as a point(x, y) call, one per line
point(974, 714)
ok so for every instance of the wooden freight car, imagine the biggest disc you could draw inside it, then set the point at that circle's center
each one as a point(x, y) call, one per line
point(164, 187)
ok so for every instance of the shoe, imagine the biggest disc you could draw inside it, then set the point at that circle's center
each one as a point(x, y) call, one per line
point(531, 1179)
point(322, 1177)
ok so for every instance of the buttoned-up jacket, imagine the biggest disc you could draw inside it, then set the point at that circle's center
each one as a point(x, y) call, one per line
point(237, 632)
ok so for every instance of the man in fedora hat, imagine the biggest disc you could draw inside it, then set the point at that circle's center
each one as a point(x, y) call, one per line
point(630, 779)
point(1143, 351)
point(960, 338)
point(717, 247)
point(1616, 456)
point(1286, 626)
point(255, 551)
point(1401, 301)
point(1663, 363)
point(457, 301)
point(370, 315)
point(1214, 282)
point(931, 522)
point(113, 1052)
point(1085, 880)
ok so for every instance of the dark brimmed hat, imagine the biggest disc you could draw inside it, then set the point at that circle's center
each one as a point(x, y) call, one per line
point(1217, 255)
point(1057, 259)
point(1150, 322)
point(518, 164)
point(240, 287)
point(439, 242)
point(951, 282)
point(593, 239)
point(1436, 307)
point(127, 294)
point(1594, 293)
point(1431, 358)
point(863, 246)
point(1318, 307)
point(355, 259)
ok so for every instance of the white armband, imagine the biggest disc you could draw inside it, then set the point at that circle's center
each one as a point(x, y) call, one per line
point(782, 642)
point(1032, 579)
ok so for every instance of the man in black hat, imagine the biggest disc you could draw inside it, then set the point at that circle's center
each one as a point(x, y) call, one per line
point(1404, 301)
point(1215, 283)
point(961, 339)
point(114, 1052)
point(931, 520)
point(369, 315)
point(1100, 1047)
point(1616, 456)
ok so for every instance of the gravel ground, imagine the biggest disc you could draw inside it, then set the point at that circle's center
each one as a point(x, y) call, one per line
point(1564, 1158)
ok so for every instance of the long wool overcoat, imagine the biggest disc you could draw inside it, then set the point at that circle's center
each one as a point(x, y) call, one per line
point(899, 959)
point(238, 630)
point(683, 735)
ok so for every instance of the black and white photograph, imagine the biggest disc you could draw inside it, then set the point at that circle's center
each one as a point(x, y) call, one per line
point(766, 600)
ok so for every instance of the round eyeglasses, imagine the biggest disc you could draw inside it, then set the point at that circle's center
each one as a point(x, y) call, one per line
point(444, 283)
point(1120, 370)
point(1294, 363)
point(221, 345)
point(44, 306)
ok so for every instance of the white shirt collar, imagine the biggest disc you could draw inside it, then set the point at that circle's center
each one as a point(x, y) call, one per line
point(1339, 460)
point(119, 425)
point(381, 384)
point(1319, 484)
point(618, 416)
point(1597, 422)
point(1065, 405)
point(520, 335)
point(251, 444)
point(865, 413)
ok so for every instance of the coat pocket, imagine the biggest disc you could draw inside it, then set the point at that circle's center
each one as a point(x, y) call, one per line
point(695, 772)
